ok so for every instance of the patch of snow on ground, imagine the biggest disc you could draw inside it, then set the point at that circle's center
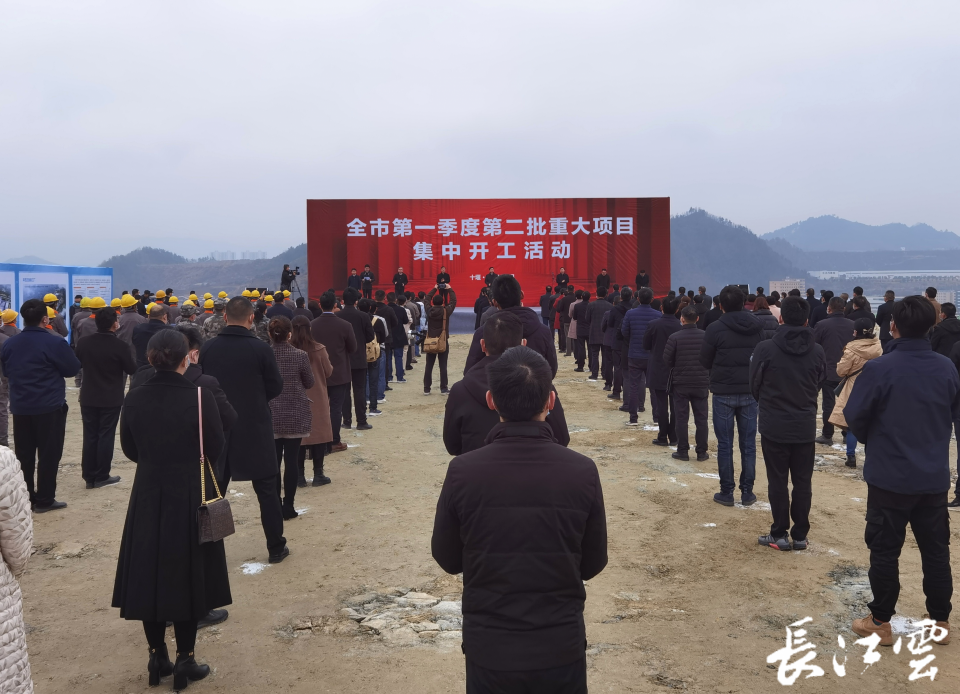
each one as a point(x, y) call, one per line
point(708, 475)
point(252, 568)
point(709, 525)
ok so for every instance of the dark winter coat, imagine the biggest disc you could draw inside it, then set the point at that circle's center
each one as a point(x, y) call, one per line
point(833, 333)
point(563, 279)
point(768, 322)
point(105, 358)
point(279, 309)
point(902, 408)
point(682, 354)
point(611, 326)
point(727, 347)
point(884, 315)
point(141, 338)
point(247, 371)
point(400, 281)
point(538, 336)
point(479, 306)
point(291, 409)
point(467, 420)
point(545, 304)
point(194, 374)
point(945, 335)
point(337, 336)
point(818, 314)
point(633, 327)
point(603, 281)
point(353, 282)
point(580, 316)
point(163, 572)
point(35, 362)
point(385, 312)
point(399, 337)
point(362, 332)
point(786, 373)
point(435, 314)
point(593, 318)
point(711, 316)
point(856, 314)
point(523, 519)
point(643, 280)
point(654, 341)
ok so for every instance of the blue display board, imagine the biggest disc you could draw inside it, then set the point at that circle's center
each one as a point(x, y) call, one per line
point(18, 283)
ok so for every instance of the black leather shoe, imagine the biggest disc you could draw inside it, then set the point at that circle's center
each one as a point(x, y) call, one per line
point(364, 427)
point(89, 485)
point(159, 665)
point(955, 503)
point(277, 558)
point(301, 481)
point(661, 442)
point(213, 617)
point(702, 456)
point(348, 425)
point(55, 506)
point(110, 481)
point(851, 461)
point(187, 670)
point(680, 456)
point(319, 481)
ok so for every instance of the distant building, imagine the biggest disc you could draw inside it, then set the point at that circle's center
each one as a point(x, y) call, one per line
point(784, 286)
point(223, 255)
point(947, 296)
point(948, 275)
point(253, 255)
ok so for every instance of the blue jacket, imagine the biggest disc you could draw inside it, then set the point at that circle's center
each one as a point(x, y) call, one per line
point(35, 362)
point(633, 327)
point(902, 407)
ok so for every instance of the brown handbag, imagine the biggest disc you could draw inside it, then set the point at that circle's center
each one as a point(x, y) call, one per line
point(436, 345)
point(214, 517)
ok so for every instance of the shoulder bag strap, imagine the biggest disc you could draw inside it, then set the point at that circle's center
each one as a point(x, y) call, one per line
point(203, 458)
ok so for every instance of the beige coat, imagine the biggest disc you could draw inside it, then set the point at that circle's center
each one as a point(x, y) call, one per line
point(16, 544)
point(855, 355)
point(321, 428)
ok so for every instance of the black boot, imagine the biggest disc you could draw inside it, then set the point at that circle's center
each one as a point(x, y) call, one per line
point(319, 479)
point(187, 670)
point(159, 665)
point(851, 461)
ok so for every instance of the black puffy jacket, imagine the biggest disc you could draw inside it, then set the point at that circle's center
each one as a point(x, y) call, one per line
point(833, 333)
point(768, 321)
point(682, 354)
point(727, 347)
point(945, 335)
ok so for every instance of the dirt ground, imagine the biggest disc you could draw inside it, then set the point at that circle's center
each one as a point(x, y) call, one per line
point(688, 601)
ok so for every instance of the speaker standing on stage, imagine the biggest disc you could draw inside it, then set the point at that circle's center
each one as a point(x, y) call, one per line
point(366, 282)
point(353, 281)
point(563, 279)
point(490, 277)
point(400, 281)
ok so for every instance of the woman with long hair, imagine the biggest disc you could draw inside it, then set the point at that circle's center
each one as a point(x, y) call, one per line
point(164, 574)
point(291, 409)
point(864, 346)
point(761, 309)
point(321, 428)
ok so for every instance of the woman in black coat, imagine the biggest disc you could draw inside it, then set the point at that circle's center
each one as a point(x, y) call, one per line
point(163, 572)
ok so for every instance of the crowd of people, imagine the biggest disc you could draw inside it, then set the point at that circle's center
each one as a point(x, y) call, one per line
point(273, 382)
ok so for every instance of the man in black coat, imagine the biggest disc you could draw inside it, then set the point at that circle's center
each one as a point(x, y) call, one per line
point(106, 361)
point(712, 315)
point(384, 310)
point(832, 333)
point(398, 337)
point(443, 283)
point(946, 333)
point(366, 282)
point(819, 311)
point(562, 307)
point(643, 279)
point(489, 278)
point(468, 418)
point(690, 384)
point(655, 341)
point(593, 320)
point(400, 281)
point(611, 323)
point(562, 279)
point(583, 330)
point(363, 332)
point(859, 308)
point(545, 299)
point(812, 299)
point(523, 519)
point(338, 337)
point(727, 347)
point(603, 280)
point(247, 371)
point(143, 332)
point(884, 314)
point(508, 296)
point(353, 281)
point(479, 306)
point(786, 373)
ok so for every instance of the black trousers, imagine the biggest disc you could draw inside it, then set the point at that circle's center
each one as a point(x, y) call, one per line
point(186, 635)
point(366, 290)
point(887, 516)
point(619, 363)
point(271, 516)
point(317, 453)
point(38, 444)
point(666, 414)
point(358, 382)
point(428, 370)
point(336, 394)
point(288, 454)
point(580, 351)
point(606, 366)
point(829, 400)
point(562, 338)
point(796, 461)
point(635, 390)
point(684, 400)
point(99, 433)
point(373, 383)
point(566, 679)
point(593, 351)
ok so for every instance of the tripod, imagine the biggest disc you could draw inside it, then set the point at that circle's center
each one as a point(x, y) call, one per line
point(296, 285)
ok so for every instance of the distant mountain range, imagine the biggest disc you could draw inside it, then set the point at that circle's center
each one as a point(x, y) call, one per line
point(833, 233)
point(29, 260)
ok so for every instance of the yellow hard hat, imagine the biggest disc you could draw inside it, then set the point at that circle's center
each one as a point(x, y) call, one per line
point(255, 293)
point(193, 297)
point(150, 306)
point(286, 292)
point(115, 303)
point(246, 293)
point(207, 295)
point(208, 303)
point(47, 298)
point(268, 297)
point(51, 313)
point(222, 295)
point(186, 303)
point(127, 300)
point(84, 302)
point(173, 300)
point(160, 294)
point(97, 302)
point(9, 316)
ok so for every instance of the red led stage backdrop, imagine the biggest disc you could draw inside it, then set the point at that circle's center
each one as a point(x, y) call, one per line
point(529, 238)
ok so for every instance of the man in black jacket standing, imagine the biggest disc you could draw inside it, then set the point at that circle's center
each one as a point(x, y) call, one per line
point(467, 418)
point(785, 377)
point(727, 347)
point(398, 337)
point(643, 279)
point(562, 307)
point(884, 314)
point(613, 319)
point(655, 341)
point(143, 332)
point(400, 282)
point(363, 331)
point(562, 279)
point(366, 282)
point(545, 307)
point(523, 591)
point(353, 281)
point(946, 333)
point(819, 311)
point(583, 330)
point(711, 315)
point(832, 333)
point(489, 278)
point(106, 361)
point(338, 337)
point(690, 384)
point(603, 280)
point(593, 320)
point(247, 371)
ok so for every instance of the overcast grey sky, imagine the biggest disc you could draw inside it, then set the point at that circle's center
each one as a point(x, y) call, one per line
point(197, 126)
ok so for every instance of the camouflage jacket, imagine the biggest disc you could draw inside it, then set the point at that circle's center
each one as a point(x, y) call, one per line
point(213, 325)
point(260, 330)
